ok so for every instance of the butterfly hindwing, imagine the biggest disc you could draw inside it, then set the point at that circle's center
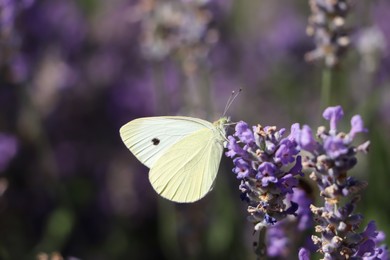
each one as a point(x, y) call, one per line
point(187, 170)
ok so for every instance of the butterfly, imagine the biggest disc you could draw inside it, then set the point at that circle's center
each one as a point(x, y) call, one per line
point(183, 153)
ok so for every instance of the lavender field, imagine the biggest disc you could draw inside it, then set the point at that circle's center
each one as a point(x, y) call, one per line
point(305, 172)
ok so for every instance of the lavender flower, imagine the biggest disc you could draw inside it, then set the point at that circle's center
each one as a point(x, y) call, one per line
point(327, 26)
point(267, 165)
point(176, 28)
point(330, 157)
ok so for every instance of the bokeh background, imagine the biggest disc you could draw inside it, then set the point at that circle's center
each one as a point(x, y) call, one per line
point(73, 72)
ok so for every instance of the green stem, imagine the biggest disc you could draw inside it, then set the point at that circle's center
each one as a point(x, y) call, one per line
point(260, 249)
point(326, 87)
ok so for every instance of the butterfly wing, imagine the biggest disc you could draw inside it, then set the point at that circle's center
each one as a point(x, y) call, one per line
point(187, 170)
point(150, 137)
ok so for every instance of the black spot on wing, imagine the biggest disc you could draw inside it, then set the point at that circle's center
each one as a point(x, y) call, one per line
point(156, 141)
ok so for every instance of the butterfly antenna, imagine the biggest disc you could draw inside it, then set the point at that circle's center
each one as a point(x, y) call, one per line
point(231, 99)
point(228, 103)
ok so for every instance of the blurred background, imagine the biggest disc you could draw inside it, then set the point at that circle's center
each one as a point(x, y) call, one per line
point(73, 72)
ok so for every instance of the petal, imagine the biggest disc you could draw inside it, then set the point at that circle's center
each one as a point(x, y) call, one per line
point(333, 114)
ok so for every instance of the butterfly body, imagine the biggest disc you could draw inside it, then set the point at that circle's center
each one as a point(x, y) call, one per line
point(183, 153)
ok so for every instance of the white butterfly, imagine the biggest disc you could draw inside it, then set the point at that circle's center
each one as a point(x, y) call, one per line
point(183, 153)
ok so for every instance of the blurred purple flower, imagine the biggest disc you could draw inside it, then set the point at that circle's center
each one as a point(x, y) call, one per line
point(10, 37)
point(8, 149)
point(132, 96)
point(380, 15)
point(65, 26)
point(43, 28)
point(304, 214)
point(304, 254)
point(277, 241)
point(7, 13)
point(176, 28)
point(287, 235)
point(286, 33)
point(327, 25)
point(372, 47)
point(369, 247)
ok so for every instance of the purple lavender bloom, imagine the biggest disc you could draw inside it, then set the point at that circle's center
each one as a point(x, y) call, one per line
point(295, 131)
point(233, 148)
point(331, 148)
point(267, 165)
point(266, 173)
point(333, 114)
point(357, 126)
point(287, 183)
point(306, 139)
point(8, 149)
point(244, 133)
point(334, 147)
point(286, 152)
point(270, 147)
point(242, 168)
point(297, 168)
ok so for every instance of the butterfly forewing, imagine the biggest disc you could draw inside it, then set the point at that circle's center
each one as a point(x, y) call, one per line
point(148, 138)
point(187, 170)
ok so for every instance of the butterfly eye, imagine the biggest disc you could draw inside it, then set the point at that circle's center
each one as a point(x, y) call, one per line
point(155, 141)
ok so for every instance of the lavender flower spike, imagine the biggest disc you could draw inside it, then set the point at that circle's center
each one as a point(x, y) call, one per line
point(327, 25)
point(267, 164)
point(338, 224)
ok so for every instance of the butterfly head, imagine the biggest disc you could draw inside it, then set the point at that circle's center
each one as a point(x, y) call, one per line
point(222, 124)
